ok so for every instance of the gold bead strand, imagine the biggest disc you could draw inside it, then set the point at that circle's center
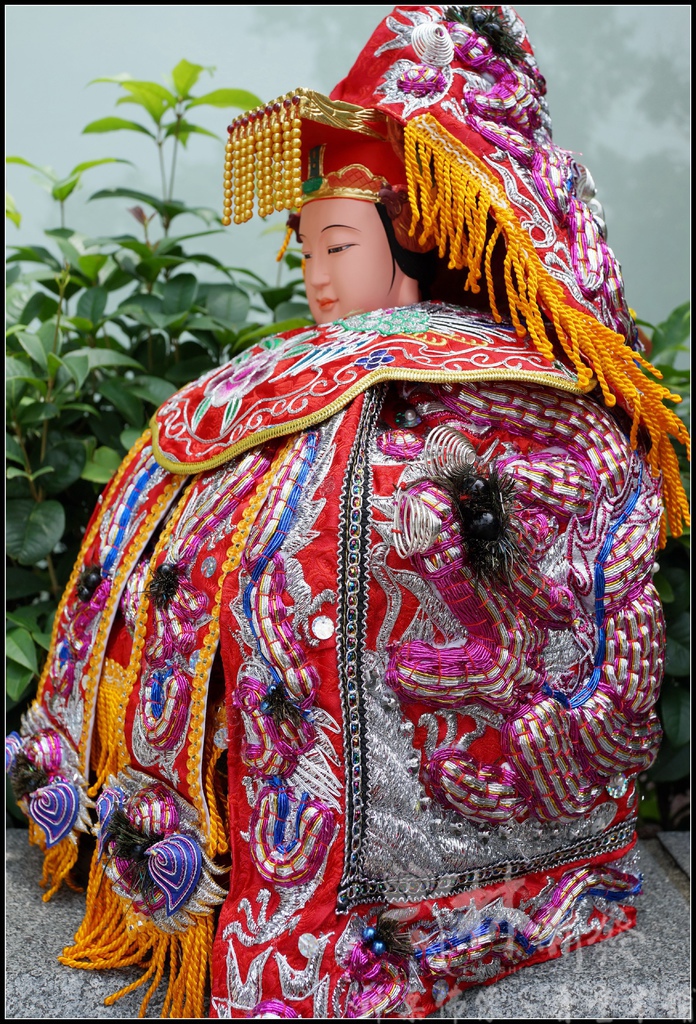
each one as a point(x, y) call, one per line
point(288, 200)
point(248, 172)
point(238, 173)
point(228, 177)
point(277, 156)
point(266, 175)
point(296, 153)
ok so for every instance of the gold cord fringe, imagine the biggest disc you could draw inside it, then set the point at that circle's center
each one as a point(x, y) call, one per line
point(105, 752)
point(58, 861)
point(216, 798)
point(452, 194)
point(109, 938)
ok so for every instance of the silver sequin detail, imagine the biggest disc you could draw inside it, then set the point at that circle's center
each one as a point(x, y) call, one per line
point(208, 567)
point(617, 786)
point(322, 627)
point(440, 991)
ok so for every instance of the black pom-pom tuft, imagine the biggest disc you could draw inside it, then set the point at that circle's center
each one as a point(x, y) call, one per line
point(278, 705)
point(389, 937)
point(484, 503)
point(487, 22)
point(89, 580)
point(125, 841)
point(25, 776)
point(164, 583)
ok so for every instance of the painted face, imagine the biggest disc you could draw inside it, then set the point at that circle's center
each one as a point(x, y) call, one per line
point(349, 267)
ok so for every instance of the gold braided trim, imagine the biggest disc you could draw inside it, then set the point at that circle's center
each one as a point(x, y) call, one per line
point(144, 439)
point(452, 193)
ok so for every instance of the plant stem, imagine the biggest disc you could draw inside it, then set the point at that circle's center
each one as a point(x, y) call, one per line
point(36, 495)
point(55, 585)
point(179, 115)
point(63, 281)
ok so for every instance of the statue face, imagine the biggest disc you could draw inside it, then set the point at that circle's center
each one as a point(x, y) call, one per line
point(349, 267)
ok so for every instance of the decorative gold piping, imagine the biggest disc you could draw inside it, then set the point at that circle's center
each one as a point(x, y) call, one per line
point(377, 376)
point(84, 547)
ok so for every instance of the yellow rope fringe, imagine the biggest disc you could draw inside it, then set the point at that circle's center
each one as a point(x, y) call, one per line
point(109, 938)
point(216, 798)
point(452, 194)
point(57, 863)
point(105, 751)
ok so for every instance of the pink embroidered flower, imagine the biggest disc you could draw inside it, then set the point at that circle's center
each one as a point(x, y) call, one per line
point(237, 379)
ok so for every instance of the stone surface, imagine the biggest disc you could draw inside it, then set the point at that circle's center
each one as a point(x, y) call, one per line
point(644, 973)
point(678, 844)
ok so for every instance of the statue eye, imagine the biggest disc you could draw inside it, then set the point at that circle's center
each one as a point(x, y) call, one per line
point(340, 248)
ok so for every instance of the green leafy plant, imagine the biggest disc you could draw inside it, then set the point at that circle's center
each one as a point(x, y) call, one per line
point(665, 787)
point(101, 331)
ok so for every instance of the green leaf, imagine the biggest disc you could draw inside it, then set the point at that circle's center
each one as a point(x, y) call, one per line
point(47, 172)
point(11, 211)
point(99, 357)
point(179, 294)
point(664, 588)
point(680, 583)
point(13, 450)
point(185, 75)
point(34, 254)
point(67, 460)
point(166, 245)
point(78, 367)
point(292, 311)
point(671, 764)
point(20, 583)
point(17, 681)
point(227, 98)
point(20, 648)
point(115, 124)
point(91, 265)
point(183, 372)
point(182, 129)
point(102, 466)
point(675, 710)
point(152, 389)
point(92, 303)
point(31, 344)
point(128, 404)
point(677, 659)
point(62, 189)
point(129, 193)
point(670, 337)
point(39, 306)
point(128, 437)
point(150, 95)
point(33, 529)
point(292, 260)
point(37, 413)
point(274, 296)
point(228, 304)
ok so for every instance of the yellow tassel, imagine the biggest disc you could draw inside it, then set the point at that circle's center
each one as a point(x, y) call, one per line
point(109, 937)
point(58, 861)
point(105, 750)
point(216, 798)
point(452, 193)
point(284, 247)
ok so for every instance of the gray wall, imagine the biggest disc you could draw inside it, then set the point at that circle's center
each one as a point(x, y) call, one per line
point(618, 78)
